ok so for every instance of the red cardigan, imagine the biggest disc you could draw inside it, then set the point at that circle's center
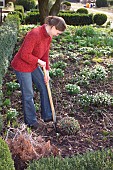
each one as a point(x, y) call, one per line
point(35, 46)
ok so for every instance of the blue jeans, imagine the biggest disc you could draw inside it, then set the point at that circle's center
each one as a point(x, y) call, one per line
point(26, 81)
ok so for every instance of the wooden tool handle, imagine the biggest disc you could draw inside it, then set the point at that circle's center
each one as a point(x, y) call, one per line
point(50, 98)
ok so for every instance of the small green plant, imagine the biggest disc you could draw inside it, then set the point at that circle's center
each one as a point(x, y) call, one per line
point(68, 125)
point(56, 72)
point(85, 99)
point(7, 102)
point(103, 99)
point(12, 86)
point(98, 73)
point(60, 64)
point(6, 161)
point(72, 88)
point(11, 115)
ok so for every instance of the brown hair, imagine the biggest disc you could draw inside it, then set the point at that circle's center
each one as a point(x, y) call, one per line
point(56, 21)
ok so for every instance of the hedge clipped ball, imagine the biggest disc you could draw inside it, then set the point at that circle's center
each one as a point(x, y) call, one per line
point(82, 11)
point(68, 126)
point(99, 19)
point(6, 161)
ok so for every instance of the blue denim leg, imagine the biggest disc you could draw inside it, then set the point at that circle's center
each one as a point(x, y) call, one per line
point(38, 79)
point(25, 81)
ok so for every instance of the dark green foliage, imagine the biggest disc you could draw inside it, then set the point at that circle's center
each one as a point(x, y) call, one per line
point(20, 9)
point(32, 18)
point(82, 11)
point(99, 19)
point(98, 160)
point(101, 3)
point(6, 162)
point(77, 19)
point(27, 4)
point(8, 39)
point(67, 3)
point(1, 122)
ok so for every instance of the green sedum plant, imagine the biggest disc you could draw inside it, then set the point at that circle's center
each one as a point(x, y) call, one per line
point(68, 125)
point(6, 162)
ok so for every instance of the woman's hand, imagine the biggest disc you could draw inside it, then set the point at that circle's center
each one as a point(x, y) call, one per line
point(41, 63)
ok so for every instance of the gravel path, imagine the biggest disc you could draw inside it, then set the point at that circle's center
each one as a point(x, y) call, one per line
point(108, 12)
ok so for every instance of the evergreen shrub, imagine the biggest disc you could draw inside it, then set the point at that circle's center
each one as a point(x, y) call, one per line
point(20, 8)
point(8, 39)
point(99, 19)
point(93, 160)
point(101, 3)
point(32, 18)
point(27, 4)
point(6, 161)
point(66, 3)
point(77, 19)
point(82, 11)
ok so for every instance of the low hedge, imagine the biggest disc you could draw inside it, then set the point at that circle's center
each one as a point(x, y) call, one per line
point(32, 17)
point(98, 160)
point(71, 18)
point(77, 19)
point(6, 161)
point(8, 39)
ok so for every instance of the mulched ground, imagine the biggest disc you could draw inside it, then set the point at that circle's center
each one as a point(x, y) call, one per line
point(96, 122)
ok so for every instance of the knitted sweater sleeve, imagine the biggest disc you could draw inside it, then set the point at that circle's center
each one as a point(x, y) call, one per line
point(27, 48)
point(46, 59)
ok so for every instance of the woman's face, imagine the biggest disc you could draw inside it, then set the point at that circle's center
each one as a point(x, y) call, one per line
point(54, 31)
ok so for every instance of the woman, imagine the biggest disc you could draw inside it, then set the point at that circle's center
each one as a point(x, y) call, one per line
point(33, 53)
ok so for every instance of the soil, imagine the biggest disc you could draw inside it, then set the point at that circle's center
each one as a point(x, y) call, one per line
point(96, 122)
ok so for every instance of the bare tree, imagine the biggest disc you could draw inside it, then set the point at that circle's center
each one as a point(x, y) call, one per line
point(45, 11)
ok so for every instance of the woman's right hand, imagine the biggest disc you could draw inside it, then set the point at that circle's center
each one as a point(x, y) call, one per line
point(41, 63)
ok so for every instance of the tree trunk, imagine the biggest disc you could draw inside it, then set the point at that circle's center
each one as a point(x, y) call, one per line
point(55, 8)
point(43, 9)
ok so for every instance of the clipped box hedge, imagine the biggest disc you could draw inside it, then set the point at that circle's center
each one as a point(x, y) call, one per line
point(8, 39)
point(77, 19)
point(71, 18)
point(6, 161)
point(98, 160)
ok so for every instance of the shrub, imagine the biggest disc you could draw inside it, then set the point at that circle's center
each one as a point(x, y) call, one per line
point(68, 126)
point(100, 19)
point(101, 3)
point(32, 18)
point(20, 9)
point(76, 18)
point(82, 11)
point(27, 4)
point(66, 3)
point(6, 162)
point(95, 160)
point(8, 39)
